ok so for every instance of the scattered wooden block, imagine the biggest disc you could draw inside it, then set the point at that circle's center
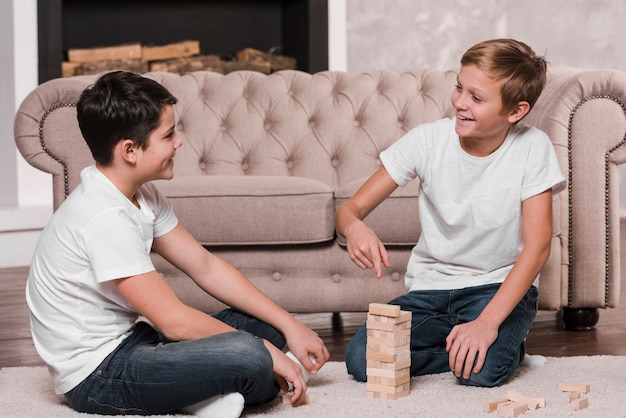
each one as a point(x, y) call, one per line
point(493, 406)
point(574, 387)
point(106, 53)
point(574, 395)
point(512, 409)
point(306, 399)
point(579, 403)
point(169, 51)
point(533, 403)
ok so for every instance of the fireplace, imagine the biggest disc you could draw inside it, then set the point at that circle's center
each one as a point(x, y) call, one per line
point(296, 28)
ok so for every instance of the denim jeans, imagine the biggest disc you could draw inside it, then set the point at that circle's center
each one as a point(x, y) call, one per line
point(435, 313)
point(148, 374)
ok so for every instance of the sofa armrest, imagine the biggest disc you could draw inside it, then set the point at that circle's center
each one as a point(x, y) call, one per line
point(47, 134)
point(583, 112)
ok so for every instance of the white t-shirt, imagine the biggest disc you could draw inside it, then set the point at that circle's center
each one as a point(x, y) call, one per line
point(97, 235)
point(470, 207)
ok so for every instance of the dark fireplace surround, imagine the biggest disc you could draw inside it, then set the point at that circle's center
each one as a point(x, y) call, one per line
point(296, 28)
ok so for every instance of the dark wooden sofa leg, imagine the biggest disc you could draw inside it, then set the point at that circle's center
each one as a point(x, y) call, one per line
point(580, 319)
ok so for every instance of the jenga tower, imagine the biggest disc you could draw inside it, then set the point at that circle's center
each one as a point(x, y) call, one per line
point(388, 352)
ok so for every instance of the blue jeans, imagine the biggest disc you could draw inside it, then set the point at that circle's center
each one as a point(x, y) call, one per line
point(148, 374)
point(435, 313)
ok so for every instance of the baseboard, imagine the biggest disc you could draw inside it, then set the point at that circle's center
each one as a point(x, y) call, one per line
point(19, 231)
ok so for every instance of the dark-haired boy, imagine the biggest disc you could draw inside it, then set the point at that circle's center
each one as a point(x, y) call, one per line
point(91, 279)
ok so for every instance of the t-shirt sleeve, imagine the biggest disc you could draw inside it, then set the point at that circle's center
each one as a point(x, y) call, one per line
point(119, 241)
point(164, 217)
point(401, 159)
point(543, 171)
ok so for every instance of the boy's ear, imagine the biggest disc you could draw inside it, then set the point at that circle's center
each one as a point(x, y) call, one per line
point(519, 111)
point(127, 150)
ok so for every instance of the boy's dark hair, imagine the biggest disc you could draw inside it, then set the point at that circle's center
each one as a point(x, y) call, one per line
point(513, 63)
point(120, 105)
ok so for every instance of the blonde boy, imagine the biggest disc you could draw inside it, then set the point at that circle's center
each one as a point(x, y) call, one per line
point(486, 214)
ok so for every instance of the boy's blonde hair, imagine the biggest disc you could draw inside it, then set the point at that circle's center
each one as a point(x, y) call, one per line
point(513, 63)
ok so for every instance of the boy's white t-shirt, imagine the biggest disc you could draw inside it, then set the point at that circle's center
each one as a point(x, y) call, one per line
point(469, 207)
point(97, 235)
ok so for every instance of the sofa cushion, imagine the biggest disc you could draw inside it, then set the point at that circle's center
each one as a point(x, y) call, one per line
point(395, 220)
point(251, 210)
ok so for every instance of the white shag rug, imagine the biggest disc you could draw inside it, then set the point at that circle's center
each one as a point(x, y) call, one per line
point(27, 392)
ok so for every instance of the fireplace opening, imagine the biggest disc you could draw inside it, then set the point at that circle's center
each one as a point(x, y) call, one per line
point(295, 28)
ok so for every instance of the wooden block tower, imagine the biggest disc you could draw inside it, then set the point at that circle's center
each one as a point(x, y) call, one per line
point(388, 352)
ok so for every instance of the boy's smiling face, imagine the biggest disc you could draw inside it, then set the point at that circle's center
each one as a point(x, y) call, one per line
point(481, 123)
point(156, 161)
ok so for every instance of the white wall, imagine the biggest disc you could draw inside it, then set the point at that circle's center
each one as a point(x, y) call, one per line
point(25, 192)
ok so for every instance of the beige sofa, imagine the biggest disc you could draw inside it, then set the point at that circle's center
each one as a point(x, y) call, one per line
point(268, 158)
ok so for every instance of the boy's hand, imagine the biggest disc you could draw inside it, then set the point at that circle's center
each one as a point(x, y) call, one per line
point(468, 344)
point(304, 344)
point(287, 374)
point(365, 249)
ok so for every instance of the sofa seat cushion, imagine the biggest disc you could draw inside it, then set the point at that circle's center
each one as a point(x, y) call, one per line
point(395, 220)
point(251, 210)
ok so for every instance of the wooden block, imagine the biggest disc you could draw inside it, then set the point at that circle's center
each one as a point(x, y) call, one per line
point(515, 396)
point(493, 406)
point(580, 403)
point(403, 317)
point(393, 374)
point(385, 365)
point(574, 387)
point(388, 396)
point(574, 395)
point(383, 349)
point(386, 381)
point(388, 326)
point(389, 335)
point(107, 53)
point(169, 51)
point(388, 358)
point(389, 342)
point(373, 387)
point(513, 409)
point(384, 309)
point(306, 399)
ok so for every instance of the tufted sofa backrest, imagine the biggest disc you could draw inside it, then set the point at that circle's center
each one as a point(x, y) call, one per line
point(329, 126)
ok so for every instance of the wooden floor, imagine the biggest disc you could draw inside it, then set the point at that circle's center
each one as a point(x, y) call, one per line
point(546, 336)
